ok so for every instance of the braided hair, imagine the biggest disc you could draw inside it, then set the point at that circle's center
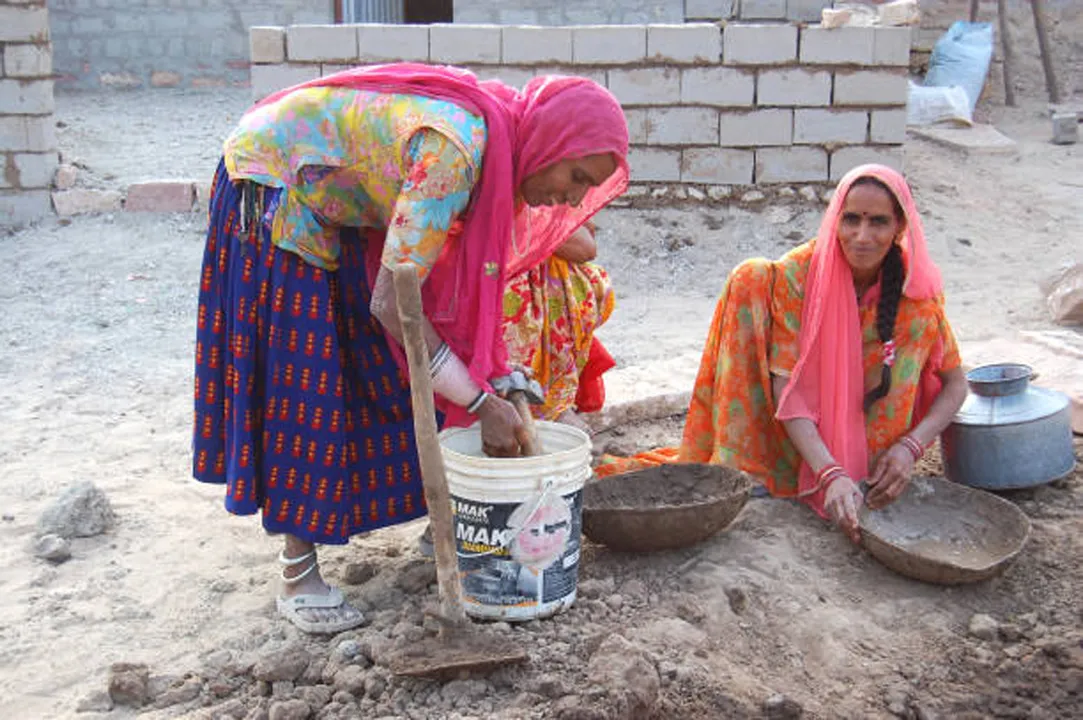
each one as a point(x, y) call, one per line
point(892, 276)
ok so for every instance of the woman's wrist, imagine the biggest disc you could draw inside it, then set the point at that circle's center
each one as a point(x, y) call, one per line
point(913, 446)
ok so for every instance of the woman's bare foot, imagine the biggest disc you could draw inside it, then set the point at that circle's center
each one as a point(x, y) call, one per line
point(305, 599)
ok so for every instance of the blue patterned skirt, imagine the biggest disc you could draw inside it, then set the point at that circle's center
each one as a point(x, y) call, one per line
point(300, 409)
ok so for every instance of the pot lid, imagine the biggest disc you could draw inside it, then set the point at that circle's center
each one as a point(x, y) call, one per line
point(1034, 403)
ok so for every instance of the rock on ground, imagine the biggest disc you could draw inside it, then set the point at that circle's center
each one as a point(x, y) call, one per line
point(83, 510)
point(53, 548)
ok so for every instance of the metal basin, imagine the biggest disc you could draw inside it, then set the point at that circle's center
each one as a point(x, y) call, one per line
point(1008, 434)
point(663, 508)
point(941, 532)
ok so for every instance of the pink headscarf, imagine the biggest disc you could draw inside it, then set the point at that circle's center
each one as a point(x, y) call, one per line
point(827, 385)
point(552, 118)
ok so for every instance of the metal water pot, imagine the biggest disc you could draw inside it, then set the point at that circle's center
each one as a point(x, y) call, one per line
point(1008, 434)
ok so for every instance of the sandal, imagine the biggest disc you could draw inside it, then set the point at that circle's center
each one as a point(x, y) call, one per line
point(291, 607)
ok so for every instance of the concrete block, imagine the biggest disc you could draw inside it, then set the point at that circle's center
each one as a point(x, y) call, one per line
point(26, 61)
point(814, 127)
point(165, 79)
point(888, 126)
point(609, 44)
point(267, 45)
point(871, 87)
point(717, 166)
point(790, 164)
point(598, 75)
point(386, 43)
point(161, 196)
point(35, 133)
point(531, 45)
point(654, 164)
point(837, 46)
point(120, 80)
point(900, 12)
point(22, 97)
point(806, 10)
point(80, 201)
point(332, 68)
point(515, 77)
point(314, 43)
point(65, 177)
point(682, 126)
point(23, 24)
point(759, 127)
point(846, 159)
point(637, 125)
point(690, 43)
point(754, 44)
point(21, 207)
point(267, 79)
point(646, 86)
point(464, 44)
point(710, 9)
point(720, 86)
point(34, 170)
point(763, 9)
point(891, 46)
point(793, 87)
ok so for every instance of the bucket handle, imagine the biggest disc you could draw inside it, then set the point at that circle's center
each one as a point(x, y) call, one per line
point(514, 530)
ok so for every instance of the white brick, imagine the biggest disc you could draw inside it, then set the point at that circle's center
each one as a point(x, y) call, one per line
point(717, 166)
point(530, 45)
point(637, 125)
point(888, 126)
point(710, 9)
point(35, 170)
point(891, 46)
point(871, 87)
point(332, 68)
point(20, 97)
point(847, 158)
point(387, 43)
point(793, 87)
point(609, 44)
point(27, 133)
point(267, 44)
point(837, 46)
point(690, 43)
point(80, 201)
point(20, 207)
point(682, 126)
point(806, 10)
point(597, 75)
point(23, 24)
point(759, 44)
point(28, 60)
point(314, 43)
point(763, 9)
point(515, 77)
point(813, 127)
point(267, 79)
point(654, 164)
point(724, 87)
point(759, 127)
point(646, 86)
point(464, 44)
point(791, 164)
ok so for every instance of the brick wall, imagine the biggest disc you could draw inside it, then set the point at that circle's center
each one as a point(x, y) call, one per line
point(27, 133)
point(164, 43)
point(631, 12)
point(753, 103)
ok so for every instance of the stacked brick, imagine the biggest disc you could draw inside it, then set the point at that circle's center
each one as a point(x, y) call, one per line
point(748, 104)
point(27, 133)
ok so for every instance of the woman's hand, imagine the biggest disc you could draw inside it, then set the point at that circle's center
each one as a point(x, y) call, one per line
point(502, 431)
point(580, 247)
point(890, 476)
point(842, 501)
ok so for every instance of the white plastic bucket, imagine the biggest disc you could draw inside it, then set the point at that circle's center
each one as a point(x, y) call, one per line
point(518, 522)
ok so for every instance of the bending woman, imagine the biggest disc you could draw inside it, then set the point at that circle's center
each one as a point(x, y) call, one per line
point(833, 365)
point(302, 405)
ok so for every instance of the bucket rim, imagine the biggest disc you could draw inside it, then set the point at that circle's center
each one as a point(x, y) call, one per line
point(497, 461)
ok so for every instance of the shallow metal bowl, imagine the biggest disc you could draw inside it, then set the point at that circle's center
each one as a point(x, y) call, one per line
point(945, 533)
point(663, 508)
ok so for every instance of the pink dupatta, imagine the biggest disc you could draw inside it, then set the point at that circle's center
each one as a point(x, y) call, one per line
point(552, 118)
point(827, 384)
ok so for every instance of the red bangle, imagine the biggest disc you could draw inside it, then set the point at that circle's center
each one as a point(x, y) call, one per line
point(915, 448)
point(828, 475)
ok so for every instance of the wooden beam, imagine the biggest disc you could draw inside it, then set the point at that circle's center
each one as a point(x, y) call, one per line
point(1008, 47)
point(1047, 52)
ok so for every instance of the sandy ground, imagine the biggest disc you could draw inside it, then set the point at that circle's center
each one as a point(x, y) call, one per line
point(95, 381)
